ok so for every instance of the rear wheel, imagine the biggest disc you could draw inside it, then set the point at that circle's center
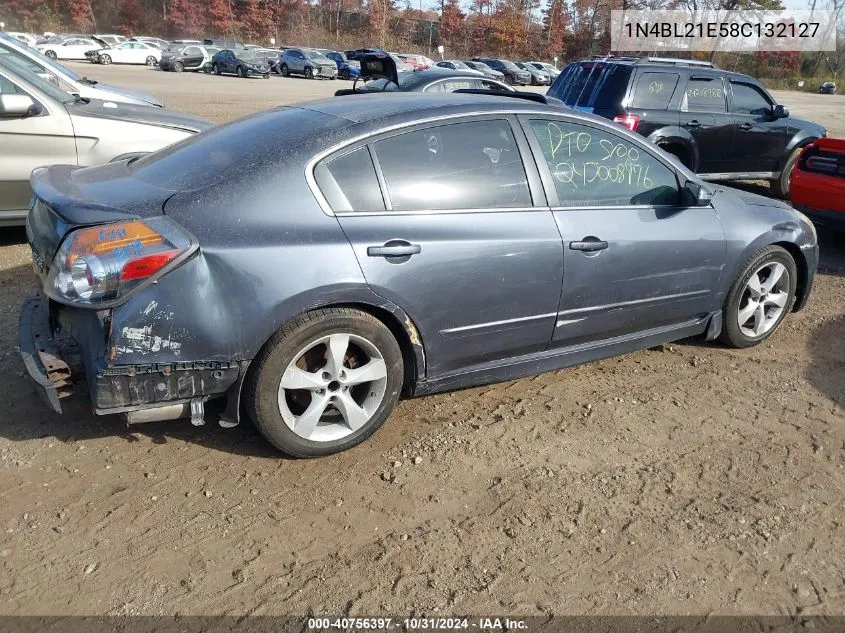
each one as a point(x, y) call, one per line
point(325, 382)
point(760, 298)
point(178, 67)
point(509, 80)
point(309, 72)
point(105, 60)
point(51, 54)
point(780, 187)
point(151, 61)
point(207, 68)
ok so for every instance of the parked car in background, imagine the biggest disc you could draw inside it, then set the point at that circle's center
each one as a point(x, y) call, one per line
point(549, 68)
point(155, 41)
point(110, 38)
point(70, 47)
point(67, 79)
point(173, 277)
point(243, 63)
point(417, 62)
point(346, 68)
point(514, 75)
point(225, 44)
point(538, 77)
point(722, 125)
point(210, 42)
point(27, 38)
point(827, 88)
point(486, 70)
point(44, 125)
point(431, 80)
point(817, 184)
point(130, 53)
point(360, 52)
point(456, 64)
point(271, 56)
point(308, 62)
point(191, 57)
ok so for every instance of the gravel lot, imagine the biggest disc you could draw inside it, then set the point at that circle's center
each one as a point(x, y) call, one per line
point(684, 479)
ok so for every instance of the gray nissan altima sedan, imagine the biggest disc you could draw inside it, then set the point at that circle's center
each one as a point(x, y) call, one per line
point(310, 264)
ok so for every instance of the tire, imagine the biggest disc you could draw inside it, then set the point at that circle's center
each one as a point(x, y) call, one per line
point(309, 72)
point(105, 60)
point(215, 69)
point(301, 346)
point(285, 72)
point(239, 71)
point(741, 298)
point(343, 73)
point(267, 76)
point(509, 80)
point(207, 69)
point(151, 61)
point(178, 67)
point(780, 187)
point(51, 54)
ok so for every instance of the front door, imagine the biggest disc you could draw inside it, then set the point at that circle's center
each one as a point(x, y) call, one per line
point(704, 115)
point(192, 57)
point(29, 142)
point(760, 140)
point(453, 237)
point(634, 259)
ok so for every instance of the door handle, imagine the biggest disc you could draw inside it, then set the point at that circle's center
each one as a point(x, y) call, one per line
point(746, 126)
point(588, 245)
point(692, 124)
point(394, 249)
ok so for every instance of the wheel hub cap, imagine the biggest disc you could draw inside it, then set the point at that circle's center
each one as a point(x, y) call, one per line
point(764, 300)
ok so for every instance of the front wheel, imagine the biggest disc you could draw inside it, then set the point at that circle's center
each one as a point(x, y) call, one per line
point(240, 72)
point(215, 69)
point(309, 72)
point(509, 80)
point(105, 60)
point(343, 74)
point(285, 71)
point(51, 54)
point(178, 67)
point(780, 187)
point(151, 61)
point(325, 382)
point(206, 69)
point(760, 298)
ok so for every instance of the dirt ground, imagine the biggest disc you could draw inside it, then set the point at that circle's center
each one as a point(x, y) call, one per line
point(687, 479)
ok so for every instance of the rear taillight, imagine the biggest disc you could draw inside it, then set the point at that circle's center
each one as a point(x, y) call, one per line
point(630, 121)
point(97, 266)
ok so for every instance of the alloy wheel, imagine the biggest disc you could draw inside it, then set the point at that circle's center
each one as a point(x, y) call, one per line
point(332, 387)
point(764, 299)
point(152, 61)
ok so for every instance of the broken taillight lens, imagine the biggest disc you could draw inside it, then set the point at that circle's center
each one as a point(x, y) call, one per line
point(100, 265)
point(630, 121)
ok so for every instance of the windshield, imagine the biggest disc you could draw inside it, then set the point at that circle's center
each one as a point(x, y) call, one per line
point(481, 66)
point(313, 54)
point(43, 60)
point(385, 85)
point(25, 72)
point(175, 50)
point(461, 65)
point(510, 65)
point(253, 55)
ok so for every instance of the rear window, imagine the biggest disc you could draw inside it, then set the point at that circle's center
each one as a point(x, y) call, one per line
point(654, 90)
point(594, 85)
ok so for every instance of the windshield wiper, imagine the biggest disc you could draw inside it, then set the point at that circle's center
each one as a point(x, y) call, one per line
point(90, 82)
point(79, 99)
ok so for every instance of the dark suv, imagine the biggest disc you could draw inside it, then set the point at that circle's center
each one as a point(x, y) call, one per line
point(722, 125)
point(513, 73)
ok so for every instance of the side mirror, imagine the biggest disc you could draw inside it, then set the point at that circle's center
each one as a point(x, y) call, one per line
point(695, 195)
point(779, 112)
point(14, 105)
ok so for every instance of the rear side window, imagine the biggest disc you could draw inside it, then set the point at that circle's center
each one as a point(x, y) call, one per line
point(355, 175)
point(592, 167)
point(747, 99)
point(472, 165)
point(704, 94)
point(594, 85)
point(654, 90)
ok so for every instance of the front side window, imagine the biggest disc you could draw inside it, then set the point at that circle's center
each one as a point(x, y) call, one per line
point(654, 90)
point(747, 99)
point(593, 167)
point(471, 165)
point(704, 94)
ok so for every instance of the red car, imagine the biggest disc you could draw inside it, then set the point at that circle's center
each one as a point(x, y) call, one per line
point(817, 184)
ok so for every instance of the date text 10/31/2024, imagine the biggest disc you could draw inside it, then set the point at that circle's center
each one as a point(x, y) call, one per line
point(417, 624)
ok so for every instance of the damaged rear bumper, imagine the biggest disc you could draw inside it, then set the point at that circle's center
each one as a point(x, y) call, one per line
point(64, 347)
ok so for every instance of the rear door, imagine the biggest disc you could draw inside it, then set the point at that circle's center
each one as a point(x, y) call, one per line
point(651, 94)
point(635, 259)
point(759, 140)
point(445, 224)
point(704, 113)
